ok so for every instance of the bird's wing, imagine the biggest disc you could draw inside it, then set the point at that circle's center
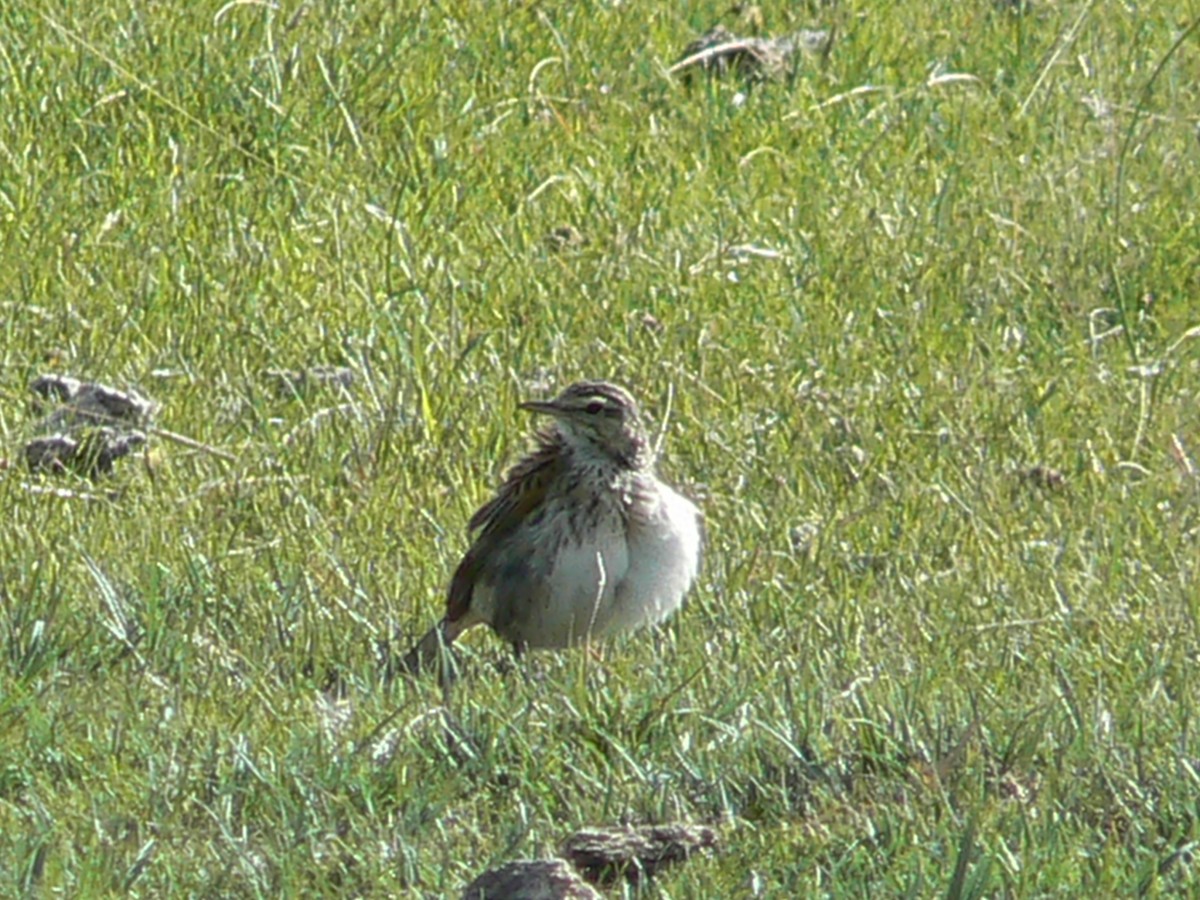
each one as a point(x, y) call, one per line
point(520, 496)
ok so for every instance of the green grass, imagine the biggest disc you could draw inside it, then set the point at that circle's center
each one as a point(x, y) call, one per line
point(909, 669)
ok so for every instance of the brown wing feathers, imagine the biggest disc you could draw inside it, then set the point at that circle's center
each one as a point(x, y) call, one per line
point(523, 491)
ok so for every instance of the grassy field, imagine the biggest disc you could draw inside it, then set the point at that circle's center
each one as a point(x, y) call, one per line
point(919, 327)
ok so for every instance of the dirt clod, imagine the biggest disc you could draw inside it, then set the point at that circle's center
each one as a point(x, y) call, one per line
point(720, 52)
point(606, 855)
point(85, 426)
point(530, 879)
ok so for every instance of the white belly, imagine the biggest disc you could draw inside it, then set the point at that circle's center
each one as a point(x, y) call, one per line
point(578, 603)
point(631, 571)
point(664, 558)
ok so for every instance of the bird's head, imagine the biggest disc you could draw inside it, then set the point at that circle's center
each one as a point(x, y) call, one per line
point(599, 418)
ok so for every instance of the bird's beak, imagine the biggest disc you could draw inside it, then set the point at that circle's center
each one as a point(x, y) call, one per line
point(545, 407)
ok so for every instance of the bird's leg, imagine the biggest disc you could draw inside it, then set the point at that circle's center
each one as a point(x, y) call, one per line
point(532, 669)
point(433, 648)
point(519, 657)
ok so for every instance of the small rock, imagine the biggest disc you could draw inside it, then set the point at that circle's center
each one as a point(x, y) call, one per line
point(86, 402)
point(538, 879)
point(298, 382)
point(718, 52)
point(55, 388)
point(813, 40)
point(804, 536)
point(1045, 477)
point(92, 453)
point(565, 238)
point(650, 323)
point(606, 855)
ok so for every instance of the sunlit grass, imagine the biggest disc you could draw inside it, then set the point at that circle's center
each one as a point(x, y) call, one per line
point(921, 322)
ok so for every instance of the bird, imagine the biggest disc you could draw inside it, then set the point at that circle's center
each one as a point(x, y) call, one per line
point(581, 541)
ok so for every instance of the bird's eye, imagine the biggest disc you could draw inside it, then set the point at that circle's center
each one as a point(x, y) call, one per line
point(595, 408)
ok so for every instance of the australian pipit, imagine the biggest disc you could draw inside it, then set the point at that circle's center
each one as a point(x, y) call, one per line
point(581, 541)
